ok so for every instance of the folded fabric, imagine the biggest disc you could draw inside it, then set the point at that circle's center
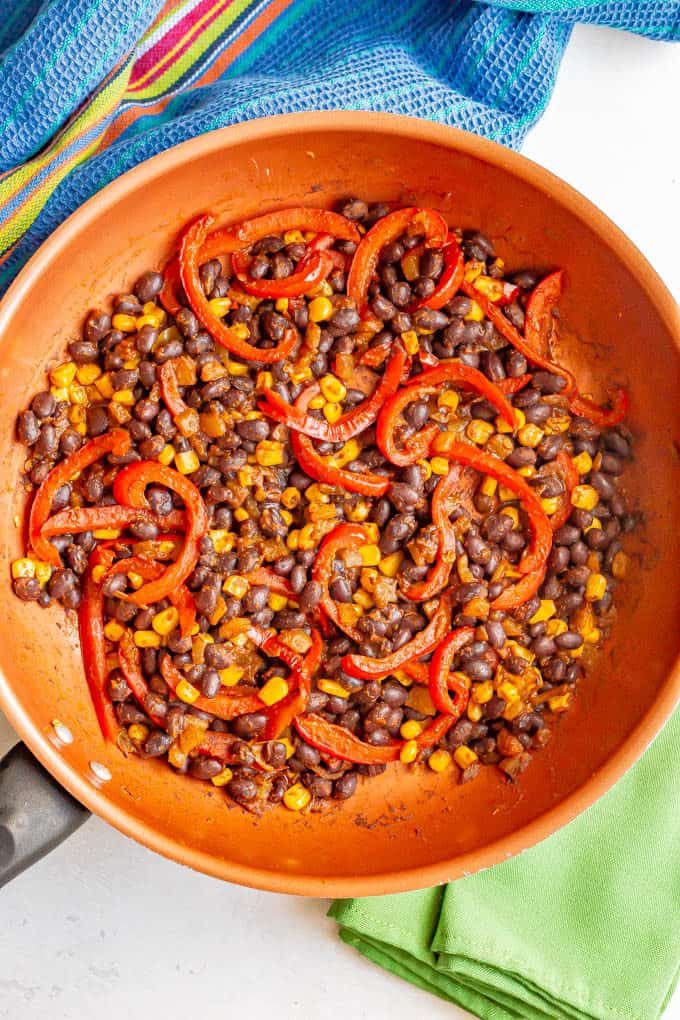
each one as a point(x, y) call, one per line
point(90, 88)
point(584, 926)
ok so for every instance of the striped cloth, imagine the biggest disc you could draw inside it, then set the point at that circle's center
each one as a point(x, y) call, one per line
point(90, 88)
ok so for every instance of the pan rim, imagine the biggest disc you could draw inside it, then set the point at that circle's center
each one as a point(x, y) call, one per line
point(637, 740)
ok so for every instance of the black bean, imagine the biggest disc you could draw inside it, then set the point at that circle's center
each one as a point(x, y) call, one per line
point(430, 318)
point(249, 726)
point(548, 382)
point(43, 404)
point(157, 743)
point(97, 325)
point(28, 429)
point(569, 640)
point(148, 286)
point(340, 590)
point(240, 789)
point(603, 485)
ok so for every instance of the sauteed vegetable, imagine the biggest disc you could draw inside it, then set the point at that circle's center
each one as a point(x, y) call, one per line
point(324, 499)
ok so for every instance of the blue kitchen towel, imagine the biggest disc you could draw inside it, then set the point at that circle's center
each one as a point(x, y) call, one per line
point(90, 88)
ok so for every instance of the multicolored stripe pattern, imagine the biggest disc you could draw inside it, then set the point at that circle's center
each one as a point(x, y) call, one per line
point(90, 88)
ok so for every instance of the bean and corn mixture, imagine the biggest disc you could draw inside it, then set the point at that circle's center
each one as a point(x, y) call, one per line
point(323, 501)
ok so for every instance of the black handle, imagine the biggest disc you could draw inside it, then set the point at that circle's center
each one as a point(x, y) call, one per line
point(36, 813)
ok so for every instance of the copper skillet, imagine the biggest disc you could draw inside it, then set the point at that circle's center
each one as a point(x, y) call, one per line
point(401, 831)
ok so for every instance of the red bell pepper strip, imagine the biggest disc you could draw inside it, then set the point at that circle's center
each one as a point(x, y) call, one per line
point(521, 591)
point(428, 383)
point(450, 279)
point(601, 416)
point(534, 559)
point(513, 385)
point(117, 441)
point(422, 643)
point(229, 750)
point(539, 321)
point(274, 647)
point(75, 520)
point(173, 399)
point(240, 700)
point(337, 742)
point(565, 467)
point(323, 242)
point(452, 490)
point(388, 229)
point(262, 577)
point(128, 489)
point(536, 555)
point(243, 235)
point(514, 337)
point(345, 536)
point(183, 601)
point(171, 281)
point(352, 422)
point(130, 664)
point(441, 680)
point(281, 715)
point(320, 468)
point(93, 645)
point(375, 356)
point(310, 272)
point(190, 260)
point(428, 359)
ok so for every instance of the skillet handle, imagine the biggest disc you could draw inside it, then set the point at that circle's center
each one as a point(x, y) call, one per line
point(36, 813)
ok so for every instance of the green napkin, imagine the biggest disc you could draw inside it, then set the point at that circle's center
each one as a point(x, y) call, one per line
point(586, 925)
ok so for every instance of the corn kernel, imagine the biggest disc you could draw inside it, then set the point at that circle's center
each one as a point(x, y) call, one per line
point(439, 760)
point(349, 613)
point(489, 486)
point(530, 435)
point(596, 586)
point(500, 446)
point(440, 466)
point(237, 368)
point(147, 639)
point(545, 610)
point(550, 504)
point(187, 692)
point(449, 399)
point(585, 497)
point(77, 394)
point(410, 265)
point(593, 636)
point(333, 389)
point(464, 757)
point(290, 497)
point(222, 778)
point(481, 693)
point(219, 306)
point(583, 463)
point(165, 621)
point(513, 709)
point(389, 565)
point(528, 471)
point(277, 602)
point(332, 688)
point(474, 711)
point(63, 375)
point(320, 309)
point(490, 287)
point(297, 797)
point(269, 453)
point(138, 732)
point(230, 675)
point(476, 313)
point(106, 533)
point(560, 703)
point(125, 323)
point(23, 567)
point(104, 385)
point(187, 462)
point(411, 729)
point(556, 627)
point(274, 690)
point(370, 555)
point(332, 412)
point(113, 630)
point(593, 562)
point(411, 342)
point(167, 455)
point(358, 512)
point(507, 691)
point(363, 599)
point(60, 393)
point(479, 431)
point(557, 423)
point(176, 756)
point(409, 752)
point(236, 585)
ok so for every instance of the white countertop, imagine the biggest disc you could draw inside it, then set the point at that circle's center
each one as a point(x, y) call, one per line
point(104, 929)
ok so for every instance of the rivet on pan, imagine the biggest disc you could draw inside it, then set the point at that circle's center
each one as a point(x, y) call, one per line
point(100, 772)
point(62, 732)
